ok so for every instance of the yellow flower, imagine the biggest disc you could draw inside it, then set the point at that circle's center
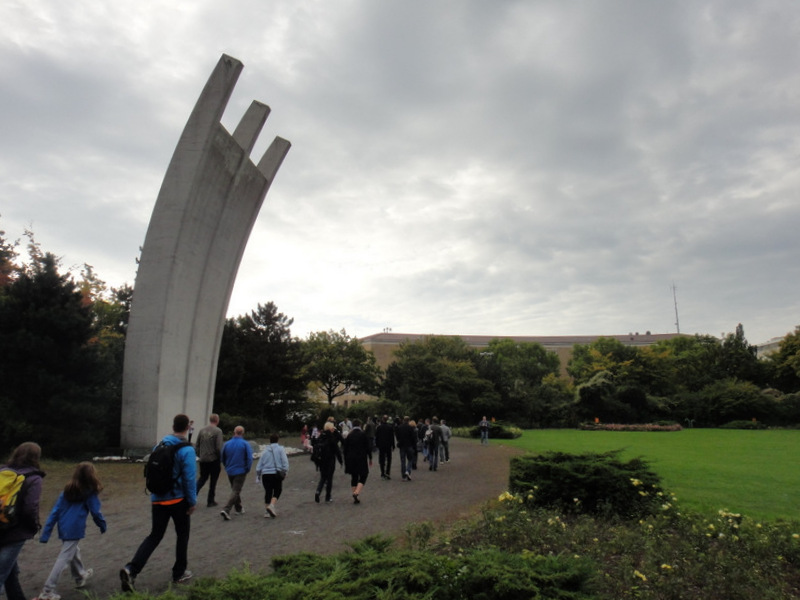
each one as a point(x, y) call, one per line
point(666, 566)
point(505, 496)
point(635, 481)
point(639, 575)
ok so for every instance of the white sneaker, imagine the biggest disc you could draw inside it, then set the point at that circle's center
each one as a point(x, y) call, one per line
point(49, 596)
point(82, 581)
point(224, 514)
point(187, 575)
point(272, 512)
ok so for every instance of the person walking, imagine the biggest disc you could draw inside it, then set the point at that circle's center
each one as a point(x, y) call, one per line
point(433, 436)
point(407, 443)
point(237, 458)
point(74, 504)
point(484, 429)
point(209, 453)
point(357, 459)
point(176, 504)
point(329, 453)
point(272, 468)
point(24, 461)
point(444, 446)
point(384, 439)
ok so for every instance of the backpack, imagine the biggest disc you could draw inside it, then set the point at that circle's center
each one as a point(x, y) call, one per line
point(158, 471)
point(10, 486)
point(316, 452)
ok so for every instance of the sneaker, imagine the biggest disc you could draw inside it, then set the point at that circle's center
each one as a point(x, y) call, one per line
point(329, 500)
point(316, 497)
point(267, 515)
point(388, 478)
point(272, 512)
point(355, 499)
point(126, 578)
point(224, 514)
point(49, 596)
point(239, 512)
point(408, 476)
point(187, 575)
point(82, 581)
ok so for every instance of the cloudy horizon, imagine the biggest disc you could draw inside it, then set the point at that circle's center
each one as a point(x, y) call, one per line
point(477, 168)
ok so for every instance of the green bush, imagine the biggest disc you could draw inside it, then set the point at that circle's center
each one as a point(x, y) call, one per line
point(497, 431)
point(592, 483)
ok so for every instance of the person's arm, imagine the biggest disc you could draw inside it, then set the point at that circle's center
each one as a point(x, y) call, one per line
point(248, 457)
point(93, 503)
point(52, 519)
point(189, 475)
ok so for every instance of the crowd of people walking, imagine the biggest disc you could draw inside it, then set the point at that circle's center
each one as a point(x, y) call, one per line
point(351, 444)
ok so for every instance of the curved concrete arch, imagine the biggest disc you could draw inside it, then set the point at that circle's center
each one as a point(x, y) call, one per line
point(206, 208)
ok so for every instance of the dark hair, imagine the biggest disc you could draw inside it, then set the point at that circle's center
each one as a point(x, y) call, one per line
point(273, 439)
point(83, 483)
point(356, 422)
point(180, 423)
point(27, 454)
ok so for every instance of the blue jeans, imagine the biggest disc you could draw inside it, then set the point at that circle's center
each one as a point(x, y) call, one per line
point(406, 459)
point(9, 571)
point(161, 516)
point(484, 436)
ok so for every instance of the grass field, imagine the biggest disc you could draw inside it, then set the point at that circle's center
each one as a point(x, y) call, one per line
point(748, 472)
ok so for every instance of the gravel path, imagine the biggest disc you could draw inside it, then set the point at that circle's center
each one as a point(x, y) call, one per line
point(474, 475)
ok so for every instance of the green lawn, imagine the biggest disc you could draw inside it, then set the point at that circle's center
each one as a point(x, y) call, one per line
point(749, 472)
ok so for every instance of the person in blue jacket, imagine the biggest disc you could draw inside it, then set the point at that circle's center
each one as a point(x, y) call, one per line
point(178, 504)
point(73, 506)
point(237, 458)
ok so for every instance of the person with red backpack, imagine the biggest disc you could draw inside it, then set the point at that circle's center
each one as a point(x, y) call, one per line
point(21, 523)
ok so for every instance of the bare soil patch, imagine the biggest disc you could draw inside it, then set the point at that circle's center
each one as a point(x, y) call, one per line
point(474, 475)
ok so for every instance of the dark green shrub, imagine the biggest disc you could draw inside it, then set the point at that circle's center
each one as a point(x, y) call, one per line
point(497, 431)
point(597, 484)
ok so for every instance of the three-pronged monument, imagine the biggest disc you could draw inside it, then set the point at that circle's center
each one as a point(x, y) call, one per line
point(203, 216)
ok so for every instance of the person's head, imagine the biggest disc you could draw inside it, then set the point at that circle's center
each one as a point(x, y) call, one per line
point(435, 420)
point(273, 439)
point(427, 421)
point(331, 419)
point(412, 422)
point(329, 426)
point(238, 431)
point(84, 481)
point(356, 422)
point(180, 424)
point(213, 419)
point(444, 422)
point(406, 419)
point(27, 454)
point(385, 419)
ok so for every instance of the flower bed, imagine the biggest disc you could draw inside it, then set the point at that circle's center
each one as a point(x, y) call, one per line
point(630, 427)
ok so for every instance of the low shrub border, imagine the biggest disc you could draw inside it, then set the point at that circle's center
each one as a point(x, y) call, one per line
point(630, 427)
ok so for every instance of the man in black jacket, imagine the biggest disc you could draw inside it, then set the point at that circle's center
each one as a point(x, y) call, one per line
point(407, 442)
point(384, 439)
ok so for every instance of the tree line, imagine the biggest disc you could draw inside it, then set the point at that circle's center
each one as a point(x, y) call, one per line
point(62, 340)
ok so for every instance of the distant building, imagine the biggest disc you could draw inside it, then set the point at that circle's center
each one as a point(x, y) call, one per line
point(764, 349)
point(383, 345)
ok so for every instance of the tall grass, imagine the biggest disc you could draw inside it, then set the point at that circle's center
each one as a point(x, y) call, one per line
point(748, 472)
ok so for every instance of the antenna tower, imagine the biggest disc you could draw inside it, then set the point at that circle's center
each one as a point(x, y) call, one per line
point(675, 300)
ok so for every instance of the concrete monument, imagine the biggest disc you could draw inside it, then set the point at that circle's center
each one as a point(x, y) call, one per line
point(203, 216)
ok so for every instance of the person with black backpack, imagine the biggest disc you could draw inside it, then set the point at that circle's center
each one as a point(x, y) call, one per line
point(172, 464)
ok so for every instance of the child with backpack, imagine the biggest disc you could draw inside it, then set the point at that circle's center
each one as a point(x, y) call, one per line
point(74, 504)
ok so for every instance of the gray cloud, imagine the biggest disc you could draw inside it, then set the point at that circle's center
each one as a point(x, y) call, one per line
point(457, 167)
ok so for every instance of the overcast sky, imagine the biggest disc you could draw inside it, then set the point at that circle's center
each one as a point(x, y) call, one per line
point(457, 167)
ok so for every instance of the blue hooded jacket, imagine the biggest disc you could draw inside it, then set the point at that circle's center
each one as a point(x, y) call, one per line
point(184, 473)
point(71, 518)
